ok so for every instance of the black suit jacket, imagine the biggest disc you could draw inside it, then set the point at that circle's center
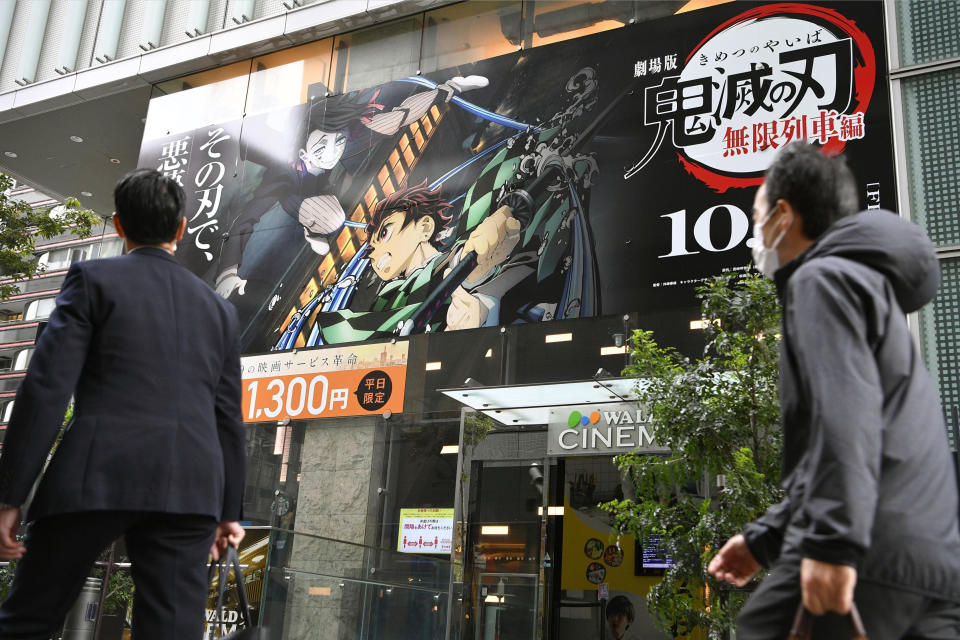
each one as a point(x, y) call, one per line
point(152, 357)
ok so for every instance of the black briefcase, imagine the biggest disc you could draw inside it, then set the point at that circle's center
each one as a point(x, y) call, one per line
point(231, 559)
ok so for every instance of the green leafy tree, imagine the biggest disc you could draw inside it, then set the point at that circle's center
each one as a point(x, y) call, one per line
point(20, 227)
point(719, 416)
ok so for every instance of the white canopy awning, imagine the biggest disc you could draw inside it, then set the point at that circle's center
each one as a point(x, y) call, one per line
point(529, 404)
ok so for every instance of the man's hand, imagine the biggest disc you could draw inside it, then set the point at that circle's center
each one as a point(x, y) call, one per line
point(10, 547)
point(321, 214)
point(493, 240)
point(465, 311)
point(228, 532)
point(827, 587)
point(734, 562)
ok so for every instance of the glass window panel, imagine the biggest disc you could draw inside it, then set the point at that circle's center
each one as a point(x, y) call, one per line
point(927, 31)
point(110, 248)
point(222, 99)
point(379, 54)
point(931, 103)
point(563, 20)
point(941, 342)
point(469, 31)
point(23, 359)
point(203, 78)
point(283, 79)
point(39, 309)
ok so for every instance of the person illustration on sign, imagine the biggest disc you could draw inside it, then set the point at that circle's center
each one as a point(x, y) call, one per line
point(620, 615)
point(302, 196)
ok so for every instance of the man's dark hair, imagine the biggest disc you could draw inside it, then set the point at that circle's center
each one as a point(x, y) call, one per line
point(416, 202)
point(620, 605)
point(821, 188)
point(149, 205)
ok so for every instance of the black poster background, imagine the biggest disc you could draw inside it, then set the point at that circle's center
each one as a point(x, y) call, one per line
point(630, 232)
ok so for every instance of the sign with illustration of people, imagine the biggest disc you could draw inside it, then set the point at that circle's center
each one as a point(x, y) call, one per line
point(516, 189)
point(425, 530)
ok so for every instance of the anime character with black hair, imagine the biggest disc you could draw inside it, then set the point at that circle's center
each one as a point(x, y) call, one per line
point(303, 194)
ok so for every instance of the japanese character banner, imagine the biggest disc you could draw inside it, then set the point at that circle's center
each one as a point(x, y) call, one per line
point(366, 379)
point(605, 174)
point(204, 162)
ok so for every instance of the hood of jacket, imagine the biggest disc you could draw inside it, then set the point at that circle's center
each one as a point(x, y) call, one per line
point(883, 241)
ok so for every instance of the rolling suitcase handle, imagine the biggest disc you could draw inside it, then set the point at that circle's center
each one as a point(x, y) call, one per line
point(803, 624)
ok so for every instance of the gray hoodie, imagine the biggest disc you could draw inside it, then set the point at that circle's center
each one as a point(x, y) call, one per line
point(867, 469)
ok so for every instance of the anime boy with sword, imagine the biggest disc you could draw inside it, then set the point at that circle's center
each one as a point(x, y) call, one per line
point(413, 285)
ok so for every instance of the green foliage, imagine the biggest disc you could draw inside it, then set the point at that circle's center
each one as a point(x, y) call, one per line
point(476, 426)
point(6, 578)
point(21, 226)
point(719, 415)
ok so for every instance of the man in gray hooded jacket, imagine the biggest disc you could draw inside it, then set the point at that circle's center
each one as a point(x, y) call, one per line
point(870, 513)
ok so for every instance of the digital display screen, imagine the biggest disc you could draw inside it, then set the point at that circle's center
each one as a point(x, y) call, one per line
point(652, 557)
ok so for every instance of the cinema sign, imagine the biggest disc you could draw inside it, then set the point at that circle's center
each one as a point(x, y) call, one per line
point(601, 429)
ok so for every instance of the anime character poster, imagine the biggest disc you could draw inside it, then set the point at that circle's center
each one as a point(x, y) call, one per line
point(601, 175)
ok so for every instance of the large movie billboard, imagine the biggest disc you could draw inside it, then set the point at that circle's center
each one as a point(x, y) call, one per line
point(601, 175)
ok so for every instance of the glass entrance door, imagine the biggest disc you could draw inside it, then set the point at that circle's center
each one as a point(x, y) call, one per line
point(510, 581)
point(508, 606)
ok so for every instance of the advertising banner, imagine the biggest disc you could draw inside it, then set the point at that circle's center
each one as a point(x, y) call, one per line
point(425, 531)
point(344, 381)
point(600, 429)
point(605, 174)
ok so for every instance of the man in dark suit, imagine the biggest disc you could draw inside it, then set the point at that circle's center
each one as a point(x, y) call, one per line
point(155, 451)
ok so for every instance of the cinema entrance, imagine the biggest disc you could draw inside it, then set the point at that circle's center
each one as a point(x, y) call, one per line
point(535, 555)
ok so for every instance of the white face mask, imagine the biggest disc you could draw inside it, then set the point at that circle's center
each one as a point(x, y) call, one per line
point(765, 259)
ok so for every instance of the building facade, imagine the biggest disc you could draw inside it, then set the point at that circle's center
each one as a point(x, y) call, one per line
point(438, 432)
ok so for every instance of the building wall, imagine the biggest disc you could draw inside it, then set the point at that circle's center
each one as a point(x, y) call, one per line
point(925, 84)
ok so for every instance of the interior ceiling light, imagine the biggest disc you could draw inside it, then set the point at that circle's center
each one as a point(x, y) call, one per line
point(494, 530)
point(115, 160)
point(10, 154)
point(86, 194)
point(76, 138)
